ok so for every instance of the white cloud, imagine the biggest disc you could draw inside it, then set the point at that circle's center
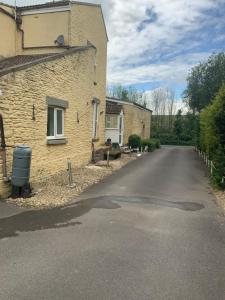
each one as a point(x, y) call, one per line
point(135, 57)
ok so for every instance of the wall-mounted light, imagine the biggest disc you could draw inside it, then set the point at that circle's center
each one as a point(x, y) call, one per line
point(78, 120)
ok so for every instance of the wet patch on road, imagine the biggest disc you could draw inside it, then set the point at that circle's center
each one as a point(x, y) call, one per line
point(59, 217)
point(187, 206)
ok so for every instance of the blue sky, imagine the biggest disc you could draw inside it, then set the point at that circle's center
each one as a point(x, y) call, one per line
point(154, 43)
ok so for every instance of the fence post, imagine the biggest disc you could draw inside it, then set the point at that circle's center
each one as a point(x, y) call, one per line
point(70, 175)
point(108, 158)
point(211, 167)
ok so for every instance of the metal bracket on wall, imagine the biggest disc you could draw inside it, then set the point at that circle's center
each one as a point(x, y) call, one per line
point(33, 113)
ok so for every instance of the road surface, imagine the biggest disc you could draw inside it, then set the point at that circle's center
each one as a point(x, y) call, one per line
point(150, 231)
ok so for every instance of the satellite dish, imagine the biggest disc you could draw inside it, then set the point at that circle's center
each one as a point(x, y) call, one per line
point(60, 40)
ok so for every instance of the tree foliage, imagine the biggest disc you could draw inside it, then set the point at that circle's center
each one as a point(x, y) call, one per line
point(183, 130)
point(128, 94)
point(204, 81)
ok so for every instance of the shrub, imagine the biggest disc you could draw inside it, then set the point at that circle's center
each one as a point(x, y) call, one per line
point(212, 135)
point(152, 144)
point(157, 143)
point(134, 141)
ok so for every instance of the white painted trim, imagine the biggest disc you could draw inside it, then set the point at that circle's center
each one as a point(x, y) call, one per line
point(57, 136)
point(119, 101)
point(45, 10)
point(128, 103)
point(95, 120)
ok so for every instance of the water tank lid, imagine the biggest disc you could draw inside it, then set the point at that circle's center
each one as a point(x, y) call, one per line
point(22, 146)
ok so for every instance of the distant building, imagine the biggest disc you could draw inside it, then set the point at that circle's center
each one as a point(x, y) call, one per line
point(124, 118)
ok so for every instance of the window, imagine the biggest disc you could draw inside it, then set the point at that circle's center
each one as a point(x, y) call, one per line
point(95, 120)
point(111, 121)
point(55, 126)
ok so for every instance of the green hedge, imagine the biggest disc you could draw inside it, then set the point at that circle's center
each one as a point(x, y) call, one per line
point(212, 135)
point(152, 144)
point(171, 139)
point(135, 141)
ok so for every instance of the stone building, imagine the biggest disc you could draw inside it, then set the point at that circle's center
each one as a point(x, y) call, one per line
point(124, 118)
point(52, 83)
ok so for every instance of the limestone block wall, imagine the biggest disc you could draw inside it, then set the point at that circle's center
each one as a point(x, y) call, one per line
point(136, 121)
point(82, 24)
point(87, 25)
point(69, 78)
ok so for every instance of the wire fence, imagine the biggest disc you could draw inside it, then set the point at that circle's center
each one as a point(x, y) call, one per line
point(209, 163)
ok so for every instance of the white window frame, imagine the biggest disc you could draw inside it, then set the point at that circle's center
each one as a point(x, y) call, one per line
point(57, 136)
point(95, 120)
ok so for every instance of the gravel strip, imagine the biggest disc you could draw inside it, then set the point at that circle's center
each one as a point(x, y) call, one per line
point(220, 198)
point(56, 192)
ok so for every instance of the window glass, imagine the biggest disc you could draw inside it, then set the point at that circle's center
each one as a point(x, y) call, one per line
point(50, 126)
point(107, 122)
point(111, 121)
point(59, 118)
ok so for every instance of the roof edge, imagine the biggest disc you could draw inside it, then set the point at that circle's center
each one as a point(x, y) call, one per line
point(113, 99)
point(5, 12)
point(43, 5)
point(44, 59)
point(85, 3)
point(7, 5)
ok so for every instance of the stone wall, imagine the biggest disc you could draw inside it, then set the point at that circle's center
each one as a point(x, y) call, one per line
point(69, 78)
point(136, 121)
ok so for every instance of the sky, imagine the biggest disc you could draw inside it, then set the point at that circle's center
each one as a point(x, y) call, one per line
point(155, 43)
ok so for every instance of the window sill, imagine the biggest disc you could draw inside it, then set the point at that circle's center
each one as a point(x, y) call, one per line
point(60, 141)
point(112, 128)
point(95, 140)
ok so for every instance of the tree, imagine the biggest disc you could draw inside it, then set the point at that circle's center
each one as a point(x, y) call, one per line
point(178, 125)
point(171, 107)
point(119, 92)
point(204, 81)
point(128, 94)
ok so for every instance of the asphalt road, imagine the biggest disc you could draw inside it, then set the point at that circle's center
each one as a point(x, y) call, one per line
point(150, 231)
